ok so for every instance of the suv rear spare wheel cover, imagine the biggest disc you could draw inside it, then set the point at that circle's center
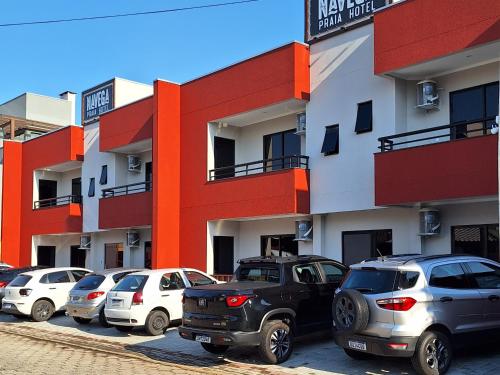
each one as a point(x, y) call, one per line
point(350, 311)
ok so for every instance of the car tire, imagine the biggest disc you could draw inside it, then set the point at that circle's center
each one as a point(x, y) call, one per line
point(102, 319)
point(357, 355)
point(276, 342)
point(81, 320)
point(157, 323)
point(350, 311)
point(433, 353)
point(215, 349)
point(42, 310)
point(124, 328)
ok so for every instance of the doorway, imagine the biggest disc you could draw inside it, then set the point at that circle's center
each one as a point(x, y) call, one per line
point(78, 256)
point(279, 245)
point(113, 255)
point(149, 176)
point(223, 255)
point(361, 245)
point(46, 256)
point(224, 156)
point(47, 189)
point(76, 190)
point(148, 255)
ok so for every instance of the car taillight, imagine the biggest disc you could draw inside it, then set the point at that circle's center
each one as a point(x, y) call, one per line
point(94, 295)
point(3, 284)
point(137, 298)
point(25, 292)
point(397, 304)
point(237, 301)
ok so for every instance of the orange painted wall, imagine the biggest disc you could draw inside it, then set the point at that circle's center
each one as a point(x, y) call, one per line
point(132, 210)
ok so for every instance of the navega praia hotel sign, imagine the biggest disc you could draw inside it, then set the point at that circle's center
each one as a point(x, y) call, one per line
point(325, 16)
point(97, 101)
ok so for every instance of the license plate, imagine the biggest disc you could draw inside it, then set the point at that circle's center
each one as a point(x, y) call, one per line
point(7, 306)
point(204, 339)
point(75, 299)
point(116, 302)
point(357, 345)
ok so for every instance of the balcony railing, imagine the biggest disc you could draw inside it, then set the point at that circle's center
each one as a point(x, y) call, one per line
point(57, 201)
point(261, 166)
point(139, 187)
point(437, 134)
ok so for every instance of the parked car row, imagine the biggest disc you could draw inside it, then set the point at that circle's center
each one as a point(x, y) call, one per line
point(414, 306)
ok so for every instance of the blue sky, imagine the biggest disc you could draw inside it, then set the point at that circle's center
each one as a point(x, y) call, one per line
point(49, 59)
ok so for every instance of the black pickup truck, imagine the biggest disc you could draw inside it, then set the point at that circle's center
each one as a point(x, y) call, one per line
point(269, 301)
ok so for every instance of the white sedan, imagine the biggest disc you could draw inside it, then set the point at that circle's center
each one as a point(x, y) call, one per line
point(40, 293)
point(4, 266)
point(151, 299)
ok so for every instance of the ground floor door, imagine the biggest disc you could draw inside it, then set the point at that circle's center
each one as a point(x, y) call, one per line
point(46, 256)
point(113, 255)
point(148, 255)
point(223, 255)
point(78, 256)
point(479, 240)
point(360, 245)
point(280, 245)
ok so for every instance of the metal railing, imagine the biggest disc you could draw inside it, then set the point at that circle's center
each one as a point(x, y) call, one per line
point(260, 166)
point(139, 187)
point(57, 201)
point(437, 134)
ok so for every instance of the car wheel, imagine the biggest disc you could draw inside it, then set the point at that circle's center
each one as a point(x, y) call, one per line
point(433, 354)
point(276, 342)
point(357, 355)
point(42, 310)
point(81, 320)
point(157, 323)
point(124, 328)
point(350, 311)
point(102, 319)
point(215, 349)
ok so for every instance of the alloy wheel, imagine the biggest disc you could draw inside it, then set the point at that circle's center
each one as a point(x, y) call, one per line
point(345, 312)
point(158, 323)
point(280, 343)
point(43, 310)
point(437, 354)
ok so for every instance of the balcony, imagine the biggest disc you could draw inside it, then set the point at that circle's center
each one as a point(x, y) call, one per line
point(57, 201)
point(449, 162)
point(56, 219)
point(126, 206)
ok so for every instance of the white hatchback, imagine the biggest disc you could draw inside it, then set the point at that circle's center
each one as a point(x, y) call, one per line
point(40, 293)
point(151, 299)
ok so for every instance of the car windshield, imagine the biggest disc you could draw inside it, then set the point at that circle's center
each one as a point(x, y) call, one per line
point(269, 274)
point(131, 283)
point(370, 281)
point(20, 280)
point(90, 282)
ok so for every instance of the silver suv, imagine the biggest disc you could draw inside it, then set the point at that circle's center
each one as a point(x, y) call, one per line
point(415, 306)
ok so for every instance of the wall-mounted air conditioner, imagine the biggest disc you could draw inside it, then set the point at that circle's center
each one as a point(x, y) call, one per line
point(301, 123)
point(430, 222)
point(427, 95)
point(303, 230)
point(133, 239)
point(85, 241)
point(134, 163)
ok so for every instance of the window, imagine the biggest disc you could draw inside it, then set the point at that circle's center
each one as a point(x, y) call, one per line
point(370, 281)
point(333, 273)
point(90, 282)
point(196, 278)
point(117, 277)
point(78, 274)
point(449, 276)
point(113, 255)
point(407, 279)
point(281, 146)
point(485, 275)
point(258, 273)
point(56, 278)
point(364, 119)
point(223, 255)
point(306, 273)
point(479, 240)
point(279, 245)
point(361, 245)
point(331, 141)
point(172, 281)
point(131, 283)
point(104, 175)
point(20, 281)
point(92, 187)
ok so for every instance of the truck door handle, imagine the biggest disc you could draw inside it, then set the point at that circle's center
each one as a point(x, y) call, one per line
point(165, 295)
point(493, 298)
point(52, 288)
point(446, 299)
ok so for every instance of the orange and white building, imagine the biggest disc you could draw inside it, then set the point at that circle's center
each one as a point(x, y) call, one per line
point(338, 147)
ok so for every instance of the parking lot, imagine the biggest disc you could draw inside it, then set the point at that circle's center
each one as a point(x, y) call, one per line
point(313, 355)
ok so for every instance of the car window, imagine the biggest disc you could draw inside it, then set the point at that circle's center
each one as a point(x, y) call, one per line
point(90, 282)
point(270, 274)
point(407, 279)
point(58, 277)
point(171, 281)
point(78, 274)
point(450, 276)
point(196, 278)
point(131, 283)
point(117, 277)
point(20, 280)
point(370, 281)
point(486, 275)
point(333, 273)
point(306, 273)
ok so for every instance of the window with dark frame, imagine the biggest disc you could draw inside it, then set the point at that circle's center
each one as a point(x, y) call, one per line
point(282, 147)
point(479, 240)
point(279, 245)
point(331, 141)
point(104, 175)
point(364, 118)
point(361, 245)
point(91, 187)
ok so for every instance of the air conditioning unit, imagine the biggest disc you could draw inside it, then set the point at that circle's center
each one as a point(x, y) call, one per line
point(134, 163)
point(85, 241)
point(133, 239)
point(301, 123)
point(303, 230)
point(430, 222)
point(427, 95)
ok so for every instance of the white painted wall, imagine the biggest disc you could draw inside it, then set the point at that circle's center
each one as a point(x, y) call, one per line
point(129, 91)
point(63, 245)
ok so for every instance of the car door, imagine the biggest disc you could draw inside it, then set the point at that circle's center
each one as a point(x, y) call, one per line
point(456, 303)
point(58, 285)
point(486, 277)
point(332, 274)
point(171, 288)
point(305, 294)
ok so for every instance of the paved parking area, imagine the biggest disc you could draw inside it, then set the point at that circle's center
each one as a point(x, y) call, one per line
point(313, 355)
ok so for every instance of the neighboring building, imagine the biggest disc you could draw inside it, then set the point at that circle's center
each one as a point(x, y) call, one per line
point(322, 149)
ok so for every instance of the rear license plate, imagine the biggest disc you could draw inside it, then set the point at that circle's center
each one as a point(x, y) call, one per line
point(75, 299)
point(116, 302)
point(7, 306)
point(204, 339)
point(358, 345)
